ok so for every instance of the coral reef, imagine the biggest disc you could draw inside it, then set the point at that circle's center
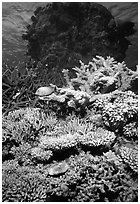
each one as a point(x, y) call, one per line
point(88, 178)
point(101, 80)
point(70, 157)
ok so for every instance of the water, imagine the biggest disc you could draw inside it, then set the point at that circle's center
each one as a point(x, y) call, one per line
point(16, 16)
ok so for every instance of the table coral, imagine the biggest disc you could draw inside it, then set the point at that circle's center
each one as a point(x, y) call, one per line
point(98, 137)
point(60, 143)
point(94, 138)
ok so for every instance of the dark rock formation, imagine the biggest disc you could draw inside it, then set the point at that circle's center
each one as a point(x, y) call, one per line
point(64, 33)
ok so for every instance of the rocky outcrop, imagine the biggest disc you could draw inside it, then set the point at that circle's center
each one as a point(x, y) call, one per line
point(64, 33)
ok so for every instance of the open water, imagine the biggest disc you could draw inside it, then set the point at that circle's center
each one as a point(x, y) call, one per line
point(16, 16)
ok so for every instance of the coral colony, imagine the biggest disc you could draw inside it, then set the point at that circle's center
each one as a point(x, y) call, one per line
point(78, 143)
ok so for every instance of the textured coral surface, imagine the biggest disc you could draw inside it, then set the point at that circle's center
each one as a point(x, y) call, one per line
point(77, 144)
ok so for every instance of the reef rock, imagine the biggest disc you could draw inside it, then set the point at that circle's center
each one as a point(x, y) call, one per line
point(64, 33)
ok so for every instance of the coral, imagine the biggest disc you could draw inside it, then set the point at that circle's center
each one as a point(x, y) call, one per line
point(129, 155)
point(122, 111)
point(18, 86)
point(88, 178)
point(112, 157)
point(24, 188)
point(40, 155)
point(21, 153)
point(130, 131)
point(97, 76)
point(58, 144)
point(100, 76)
point(95, 85)
point(23, 124)
point(66, 98)
point(99, 137)
point(94, 138)
point(47, 158)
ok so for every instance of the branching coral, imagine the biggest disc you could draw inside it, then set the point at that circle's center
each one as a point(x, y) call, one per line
point(98, 76)
point(40, 155)
point(23, 126)
point(18, 86)
point(35, 139)
point(84, 31)
point(26, 124)
point(86, 178)
point(22, 153)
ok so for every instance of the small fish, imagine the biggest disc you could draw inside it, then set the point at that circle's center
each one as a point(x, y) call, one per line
point(45, 91)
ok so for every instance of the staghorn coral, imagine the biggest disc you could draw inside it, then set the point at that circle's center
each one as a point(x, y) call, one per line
point(27, 124)
point(24, 188)
point(22, 153)
point(18, 86)
point(99, 76)
point(95, 85)
point(21, 127)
